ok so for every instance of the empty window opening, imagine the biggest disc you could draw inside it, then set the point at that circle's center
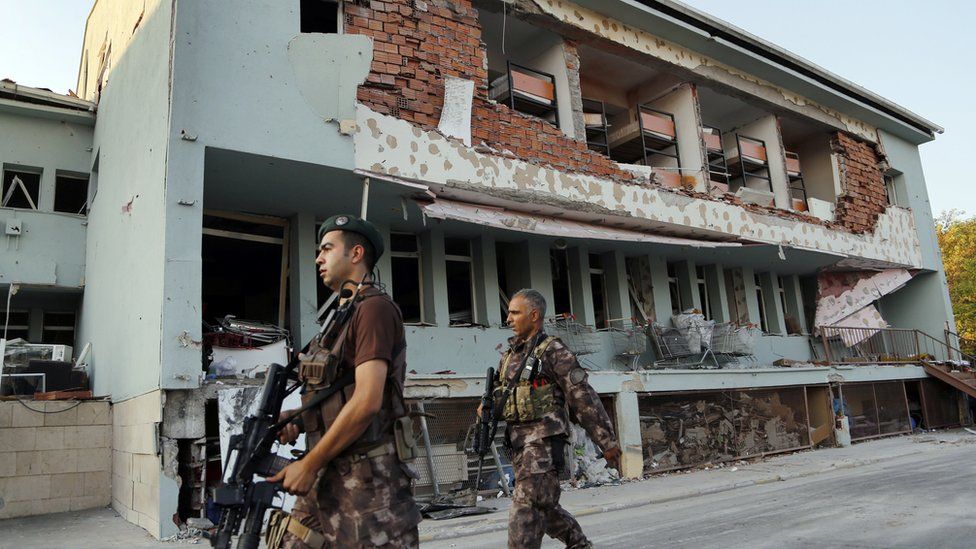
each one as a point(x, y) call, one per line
point(736, 296)
point(16, 324)
point(321, 16)
point(407, 277)
point(257, 292)
point(640, 286)
point(598, 285)
point(562, 294)
point(674, 289)
point(703, 294)
point(59, 328)
point(21, 189)
point(781, 292)
point(762, 304)
point(523, 61)
point(460, 281)
point(71, 194)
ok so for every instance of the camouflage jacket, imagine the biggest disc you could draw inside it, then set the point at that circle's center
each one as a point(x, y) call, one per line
point(572, 394)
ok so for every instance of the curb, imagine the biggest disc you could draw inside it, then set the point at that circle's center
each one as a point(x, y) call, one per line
point(502, 524)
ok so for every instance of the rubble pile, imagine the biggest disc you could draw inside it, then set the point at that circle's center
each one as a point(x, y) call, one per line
point(718, 427)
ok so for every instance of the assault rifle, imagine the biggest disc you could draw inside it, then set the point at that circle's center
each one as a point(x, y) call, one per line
point(484, 433)
point(241, 500)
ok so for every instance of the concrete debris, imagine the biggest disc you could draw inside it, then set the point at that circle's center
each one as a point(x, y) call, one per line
point(586, 468)
point(718, 428)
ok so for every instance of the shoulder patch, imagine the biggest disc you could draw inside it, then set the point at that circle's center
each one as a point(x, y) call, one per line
point(577, 375)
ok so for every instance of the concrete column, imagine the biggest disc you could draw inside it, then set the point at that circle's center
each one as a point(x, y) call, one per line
point(662, 296)
point(629, 435)
point(302, 279)
point(540, 269)
point(774, 310)
point(485, 280)
point(794, 301)
point(717, 293)
point(434, 269)
point(618, 294)
point(749, 283)
point(46, 190)
point(579, 284)
point(687, 285)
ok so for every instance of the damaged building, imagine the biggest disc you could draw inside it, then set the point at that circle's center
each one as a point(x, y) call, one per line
point(738, 243)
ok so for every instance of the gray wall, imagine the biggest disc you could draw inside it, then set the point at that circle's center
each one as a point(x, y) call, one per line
point(121, 311)
point(51, 248)
point(924, 303)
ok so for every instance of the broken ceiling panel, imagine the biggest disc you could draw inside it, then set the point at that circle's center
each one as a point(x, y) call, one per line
point(841, 294)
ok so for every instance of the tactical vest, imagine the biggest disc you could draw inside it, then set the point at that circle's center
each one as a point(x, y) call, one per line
point(532, 397)
point(321, 367)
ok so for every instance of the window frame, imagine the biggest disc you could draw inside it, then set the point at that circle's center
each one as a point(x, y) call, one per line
point(420, 272)
point(469, 259)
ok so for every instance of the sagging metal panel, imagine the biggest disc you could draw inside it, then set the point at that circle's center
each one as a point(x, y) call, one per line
point(501, 218)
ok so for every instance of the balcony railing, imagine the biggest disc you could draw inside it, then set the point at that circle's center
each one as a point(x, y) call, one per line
point(859, 345)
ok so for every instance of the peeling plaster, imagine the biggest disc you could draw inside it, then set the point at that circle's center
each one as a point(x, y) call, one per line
point(448, 163)
point(669, 52)
point(329, 69)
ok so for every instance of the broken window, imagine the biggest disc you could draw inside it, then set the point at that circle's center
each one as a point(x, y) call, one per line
point(641, 287)
point(16, 324)
point(321, 16)
point(59, 328)
point(762, 304)
point(598, 286)
point(703, 294)
point(891, 188)
point(562, 294)
point(244, 267)
point(735, 295)
point(21, 189)
point(71, 193)
point(406, 283)
point(674, 289)
point(781, 291)
point(460, 281)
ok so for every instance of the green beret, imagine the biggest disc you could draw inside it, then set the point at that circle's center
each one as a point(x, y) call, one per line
point(353, 224)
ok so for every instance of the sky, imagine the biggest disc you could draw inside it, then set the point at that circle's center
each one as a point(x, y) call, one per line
point(915, 54)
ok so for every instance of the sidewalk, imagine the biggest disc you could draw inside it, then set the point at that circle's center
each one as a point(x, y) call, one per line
point(100, 528)
point(682, 485)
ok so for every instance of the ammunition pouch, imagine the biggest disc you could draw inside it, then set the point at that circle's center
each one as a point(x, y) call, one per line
point(406, 442)
point(280, 523)
point(529, 402)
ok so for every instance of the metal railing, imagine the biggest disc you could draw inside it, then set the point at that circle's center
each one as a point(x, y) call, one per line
point(859, 345)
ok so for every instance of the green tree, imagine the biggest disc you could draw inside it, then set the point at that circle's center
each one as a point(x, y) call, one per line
point(957, 239)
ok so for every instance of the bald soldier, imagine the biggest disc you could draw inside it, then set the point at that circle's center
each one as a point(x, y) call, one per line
point(354, 485)
point(537, 412)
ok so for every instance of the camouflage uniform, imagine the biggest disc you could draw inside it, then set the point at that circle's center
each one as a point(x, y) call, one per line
point(363, 497)
point(537, 445)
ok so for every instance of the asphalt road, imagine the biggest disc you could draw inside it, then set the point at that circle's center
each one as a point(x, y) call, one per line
point(925, 500)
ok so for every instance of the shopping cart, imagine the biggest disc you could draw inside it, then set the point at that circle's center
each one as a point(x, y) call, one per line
point(578, 338)
point(687, 347)
point(628, 339)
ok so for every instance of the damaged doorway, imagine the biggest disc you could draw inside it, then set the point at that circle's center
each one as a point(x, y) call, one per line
point(245, 267)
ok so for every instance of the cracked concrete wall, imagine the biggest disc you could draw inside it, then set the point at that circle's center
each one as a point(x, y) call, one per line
point(391, 146)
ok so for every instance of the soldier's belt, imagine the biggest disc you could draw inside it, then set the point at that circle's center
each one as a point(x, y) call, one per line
point(381, 450)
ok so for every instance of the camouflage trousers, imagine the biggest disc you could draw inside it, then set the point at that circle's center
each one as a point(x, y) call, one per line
point(535, 503)
point(360, 504)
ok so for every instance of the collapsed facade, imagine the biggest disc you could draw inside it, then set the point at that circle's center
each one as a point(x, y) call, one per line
point(632, 161)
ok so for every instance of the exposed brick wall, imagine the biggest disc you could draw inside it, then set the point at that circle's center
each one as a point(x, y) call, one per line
point(862, 181)
point(418, 43)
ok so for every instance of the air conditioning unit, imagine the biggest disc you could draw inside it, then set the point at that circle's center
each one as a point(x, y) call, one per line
point(39, 351)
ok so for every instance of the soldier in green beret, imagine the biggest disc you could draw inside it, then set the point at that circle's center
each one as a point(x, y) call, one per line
point(354, 484)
